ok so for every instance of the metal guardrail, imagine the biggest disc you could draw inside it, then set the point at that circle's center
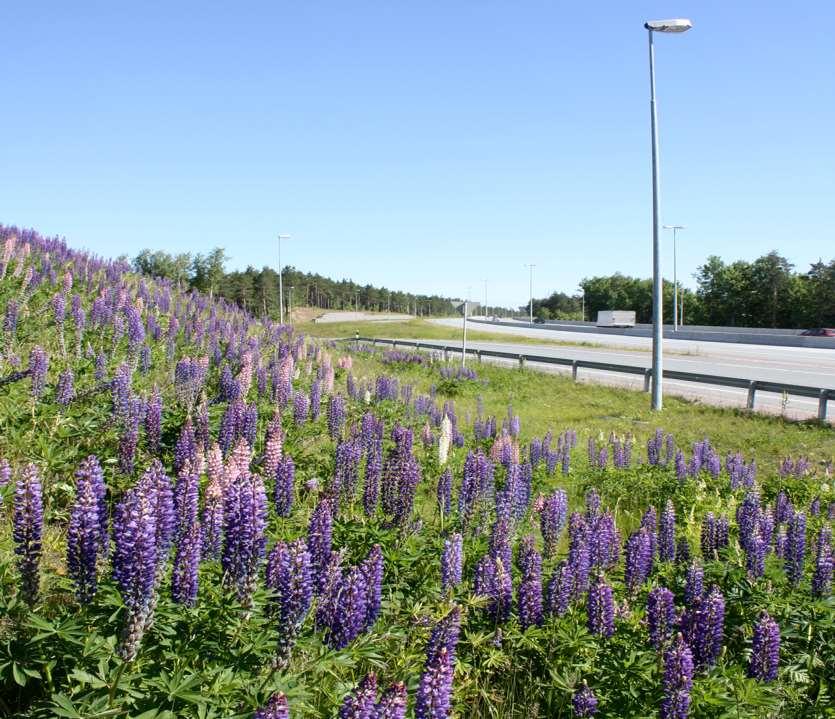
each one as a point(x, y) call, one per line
point(823, 395)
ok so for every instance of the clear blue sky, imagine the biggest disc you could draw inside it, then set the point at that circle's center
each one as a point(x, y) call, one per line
point(423, 145)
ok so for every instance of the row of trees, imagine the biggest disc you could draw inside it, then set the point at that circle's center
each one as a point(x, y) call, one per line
point(764, 293)
point(257, 290)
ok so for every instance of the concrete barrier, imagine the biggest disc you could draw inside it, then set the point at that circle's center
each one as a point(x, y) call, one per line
point(743, 335)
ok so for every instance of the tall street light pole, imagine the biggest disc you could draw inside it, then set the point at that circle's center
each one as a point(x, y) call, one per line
point(653, 26)
point(280, 281)
point(674, 228)
point(530, 291)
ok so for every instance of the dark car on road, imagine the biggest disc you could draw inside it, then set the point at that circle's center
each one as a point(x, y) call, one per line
point(819, 332)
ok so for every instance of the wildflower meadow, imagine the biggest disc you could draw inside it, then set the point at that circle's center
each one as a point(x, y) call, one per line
point(208, 514)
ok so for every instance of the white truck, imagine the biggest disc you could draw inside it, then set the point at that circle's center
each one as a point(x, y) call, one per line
point(616, 318)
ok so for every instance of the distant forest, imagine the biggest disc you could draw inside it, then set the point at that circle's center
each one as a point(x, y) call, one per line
point(764, 293)
point(257, 290)
point(767, 292)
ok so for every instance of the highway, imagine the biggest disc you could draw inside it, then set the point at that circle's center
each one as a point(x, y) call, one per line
point(795, 365)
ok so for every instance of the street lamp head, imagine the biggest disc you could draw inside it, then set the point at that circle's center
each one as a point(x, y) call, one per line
point(673, 227)
point(676, 25)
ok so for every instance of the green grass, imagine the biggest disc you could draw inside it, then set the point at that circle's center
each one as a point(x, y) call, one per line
point(546, 401)
point(421, 329)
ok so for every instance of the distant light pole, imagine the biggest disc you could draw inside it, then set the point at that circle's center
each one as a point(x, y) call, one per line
point(583, 299)
point(674, 228)
point(280, 281)
point(530, 267)
point(464, 336)
point(653, 26)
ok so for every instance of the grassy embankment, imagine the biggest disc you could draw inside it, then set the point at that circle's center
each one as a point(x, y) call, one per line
point(554, 402)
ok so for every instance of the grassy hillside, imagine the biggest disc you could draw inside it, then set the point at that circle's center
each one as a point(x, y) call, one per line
point(203, 515)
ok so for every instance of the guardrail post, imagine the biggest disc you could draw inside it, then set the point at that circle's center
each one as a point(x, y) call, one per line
point(752, 391)
point(647, 379)
point(521, 361)
point(822, 400)
point(417, 346)
point(446, 355)
point(574, 367)
point(374, 342)
point(394, 344)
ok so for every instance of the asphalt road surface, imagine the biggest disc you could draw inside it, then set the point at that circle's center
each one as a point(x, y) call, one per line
point(794, 365)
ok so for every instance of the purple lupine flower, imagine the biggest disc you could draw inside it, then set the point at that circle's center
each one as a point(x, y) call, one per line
point(552, 520)
point(667, 533)
point(10, 317)
point(372, 568)
point(683, 551)
point(409, 479)
point(392, 704)
point(373, 473)
point(783, 509)
point(336, 415)
point(276, 708)
point(212, 527)
point(579, 556)
point(560, 590)
point(27, 531)
point(584, 702)
point(649, 521)
point(121, 392)
point(315, 399)
point(530, 590)
point(452, 562)
point(361, 703)
point(822, 577)
point(65, 392)
point(592, 504)
point(493, 581)
point(186, 561)
point(100, 370)
point(153, 421)
point(350, 609)
point(319, 537)
point(301, 407)
point(444, 493)
point(5, 473)
point(129, 436)
point(500, 539)
point(600, 609)
point(434, 696)
point(638, 559)
point(186, 492)
point(747, 514)
point(289, 576)
point(346, 471)
point(604, 542)
point(661, 616)
point(703, 626)
point(796, 547)
point(38, 367)
point(781, 542)
point(135, 560)
point(445, 635)
point(84, 540)
point(285, 481)
point(765, 649)
point(244, 520)
point(714, 535)
point(677, 681)
point(89, 472)
point(694, 584)
point(59, 309)
point(249, 423)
